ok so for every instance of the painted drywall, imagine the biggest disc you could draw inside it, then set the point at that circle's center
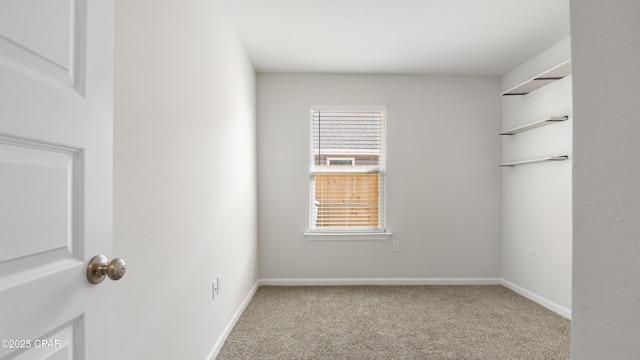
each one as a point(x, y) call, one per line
point(606, 177)
point(443, 183)
point(185, 177)
point(536, 198)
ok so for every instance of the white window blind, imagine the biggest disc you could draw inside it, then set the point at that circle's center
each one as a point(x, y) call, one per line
point(347, 171)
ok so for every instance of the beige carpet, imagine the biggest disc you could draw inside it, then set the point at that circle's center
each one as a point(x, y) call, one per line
point(396, 322)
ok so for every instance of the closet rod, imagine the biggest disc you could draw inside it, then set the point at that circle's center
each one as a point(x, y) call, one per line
point(531, 161)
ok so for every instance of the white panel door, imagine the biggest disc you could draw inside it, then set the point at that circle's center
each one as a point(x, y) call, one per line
point(56, 129)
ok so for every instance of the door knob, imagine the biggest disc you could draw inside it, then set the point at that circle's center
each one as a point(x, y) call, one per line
point(99, 267)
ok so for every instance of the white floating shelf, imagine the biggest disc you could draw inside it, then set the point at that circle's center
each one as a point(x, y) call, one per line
point(533, 125)
point(531, 161)
point(547, 77)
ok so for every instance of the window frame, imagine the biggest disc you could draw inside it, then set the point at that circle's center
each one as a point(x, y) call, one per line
point(379, 233)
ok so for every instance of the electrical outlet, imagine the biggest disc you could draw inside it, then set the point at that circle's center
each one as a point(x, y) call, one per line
point(396, 245)
point(532, 255)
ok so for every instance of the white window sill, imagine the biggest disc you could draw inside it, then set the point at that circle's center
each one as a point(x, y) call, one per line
point(347, 236)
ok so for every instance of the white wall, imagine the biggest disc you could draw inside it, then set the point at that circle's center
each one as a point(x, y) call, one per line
point(606, 271)
point(536, 198)
point(185, 177)
point(443, 184)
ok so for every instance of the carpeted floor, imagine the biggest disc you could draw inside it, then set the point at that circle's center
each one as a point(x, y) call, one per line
point(396, 322)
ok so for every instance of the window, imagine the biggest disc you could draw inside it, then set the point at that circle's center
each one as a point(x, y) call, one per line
point(347, 171)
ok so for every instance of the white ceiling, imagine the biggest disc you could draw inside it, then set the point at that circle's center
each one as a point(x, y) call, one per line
point(467, 37)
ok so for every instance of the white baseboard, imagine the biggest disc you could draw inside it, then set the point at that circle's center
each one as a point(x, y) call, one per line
point(560, 310)
point(378, 281)
point(232, 322)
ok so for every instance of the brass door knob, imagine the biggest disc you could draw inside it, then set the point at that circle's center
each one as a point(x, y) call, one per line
point(99, 268)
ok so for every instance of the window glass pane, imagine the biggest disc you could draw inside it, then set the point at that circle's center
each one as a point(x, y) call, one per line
point(347, 200)
point(354, 134)
point(347, 170)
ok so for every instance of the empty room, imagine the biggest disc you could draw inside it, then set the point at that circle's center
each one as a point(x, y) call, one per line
point(353, 179)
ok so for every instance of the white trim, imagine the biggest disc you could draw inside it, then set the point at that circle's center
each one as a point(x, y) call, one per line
point(378, 281)
point(352, 108)
point(232, 322)
point(327, 235)
point(560, 310)
point(348, 170)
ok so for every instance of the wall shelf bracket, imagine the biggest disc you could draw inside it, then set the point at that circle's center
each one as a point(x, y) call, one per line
point(531, 161)
point(547, 77)
point(533, 125)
